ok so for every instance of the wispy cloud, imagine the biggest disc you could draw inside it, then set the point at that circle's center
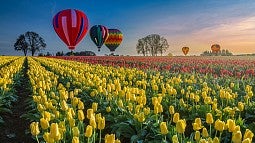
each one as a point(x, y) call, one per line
point(237, 35)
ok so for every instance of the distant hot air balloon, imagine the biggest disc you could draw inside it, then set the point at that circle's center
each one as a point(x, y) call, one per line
point(71, 25)
point(185, 50)
point(98, 34)
point(114, 39)
point(215, 48)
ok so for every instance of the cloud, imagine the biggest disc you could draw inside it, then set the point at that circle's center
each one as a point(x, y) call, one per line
point(238, 35)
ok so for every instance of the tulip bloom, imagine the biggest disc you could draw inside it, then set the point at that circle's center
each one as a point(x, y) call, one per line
point(237, 137)
point(171, 110)
point(88, 132)
point(209, 118)
point(34, 127)
point(80, 115)
point(101, 123)
point(176, 117)
point(180, 126)
point(163, 128)
point(219, 125)
point(44, 123)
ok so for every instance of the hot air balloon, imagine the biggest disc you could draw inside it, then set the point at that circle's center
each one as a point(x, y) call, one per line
point(114, 39)
point(185, 50)
point(98, 34)
point(215, 48)
point(71, 26)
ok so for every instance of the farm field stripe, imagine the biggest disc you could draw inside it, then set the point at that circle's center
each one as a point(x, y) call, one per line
point(15, 128)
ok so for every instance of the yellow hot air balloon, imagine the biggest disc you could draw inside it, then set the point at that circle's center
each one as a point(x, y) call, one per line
point(185, 50)
point(215, 48)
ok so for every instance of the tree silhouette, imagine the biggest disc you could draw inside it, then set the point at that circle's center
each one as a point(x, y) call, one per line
point(30, 41)
point(21, 44)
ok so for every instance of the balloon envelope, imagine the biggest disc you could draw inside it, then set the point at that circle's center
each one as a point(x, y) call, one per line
point(215, 48)
point(114, 39)
point(98, 34)
point(71, 26)
point(185, 50)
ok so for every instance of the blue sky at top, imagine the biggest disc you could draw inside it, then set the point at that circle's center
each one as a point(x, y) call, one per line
point(193, 23)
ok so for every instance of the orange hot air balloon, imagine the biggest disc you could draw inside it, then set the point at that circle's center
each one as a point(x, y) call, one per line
point(215, 48)
point(185, 50)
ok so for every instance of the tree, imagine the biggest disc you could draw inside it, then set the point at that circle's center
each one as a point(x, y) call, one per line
point(152, 44)
point(21, 44)
point(30, 41)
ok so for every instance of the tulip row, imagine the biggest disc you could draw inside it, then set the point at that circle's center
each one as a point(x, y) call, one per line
point(61, 111)
point(10, 68)
point(218, 66)
point(145, 106)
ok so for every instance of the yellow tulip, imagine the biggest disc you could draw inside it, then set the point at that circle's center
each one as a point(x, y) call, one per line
point(47, 138)
point(237, 128)
point(117, 141)
point(248, 134)
point(205, 133)
point(197, 136)
point(180, 126)
point(80, 115)
point(75, 131)
point(171, 110)
point(75, 140)
point(101, 123)
point(120, 103)
point(47, 115)
point(176, 117)
point(197, 125)
point(75, 101)
point(80, 105)
point(109, 138)
point(108, 109)
point(147, 111)
point(241, 106)
point(141, 117)
point(219, 125)
point(54, 131)
point(203, 141)
point(175, 139)
point(88, 132)
point(94, 106)
point(90, 113)
point(72, 122)
point(163, 128)
point(44, 123)
point(231, 125)
point(64, 105)
point(237, 137)
point(216, 140)
point(209, 118)
point(92, 121)
point(34, 127)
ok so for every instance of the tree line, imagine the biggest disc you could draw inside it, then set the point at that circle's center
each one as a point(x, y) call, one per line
point(220, 53)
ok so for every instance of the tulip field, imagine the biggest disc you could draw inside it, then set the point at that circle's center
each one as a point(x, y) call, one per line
point(134, 99)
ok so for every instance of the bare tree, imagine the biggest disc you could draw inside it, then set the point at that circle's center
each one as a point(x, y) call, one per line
point(30, 41)
point(21, 44)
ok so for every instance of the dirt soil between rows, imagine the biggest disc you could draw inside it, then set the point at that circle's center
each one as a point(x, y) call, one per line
point(16, 129)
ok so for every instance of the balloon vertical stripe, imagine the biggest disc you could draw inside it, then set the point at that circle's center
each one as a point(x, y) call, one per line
point(64, 25)
point(81, 29)
point(74, 18)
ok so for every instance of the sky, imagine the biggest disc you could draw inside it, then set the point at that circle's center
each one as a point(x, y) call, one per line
point(194, 23)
